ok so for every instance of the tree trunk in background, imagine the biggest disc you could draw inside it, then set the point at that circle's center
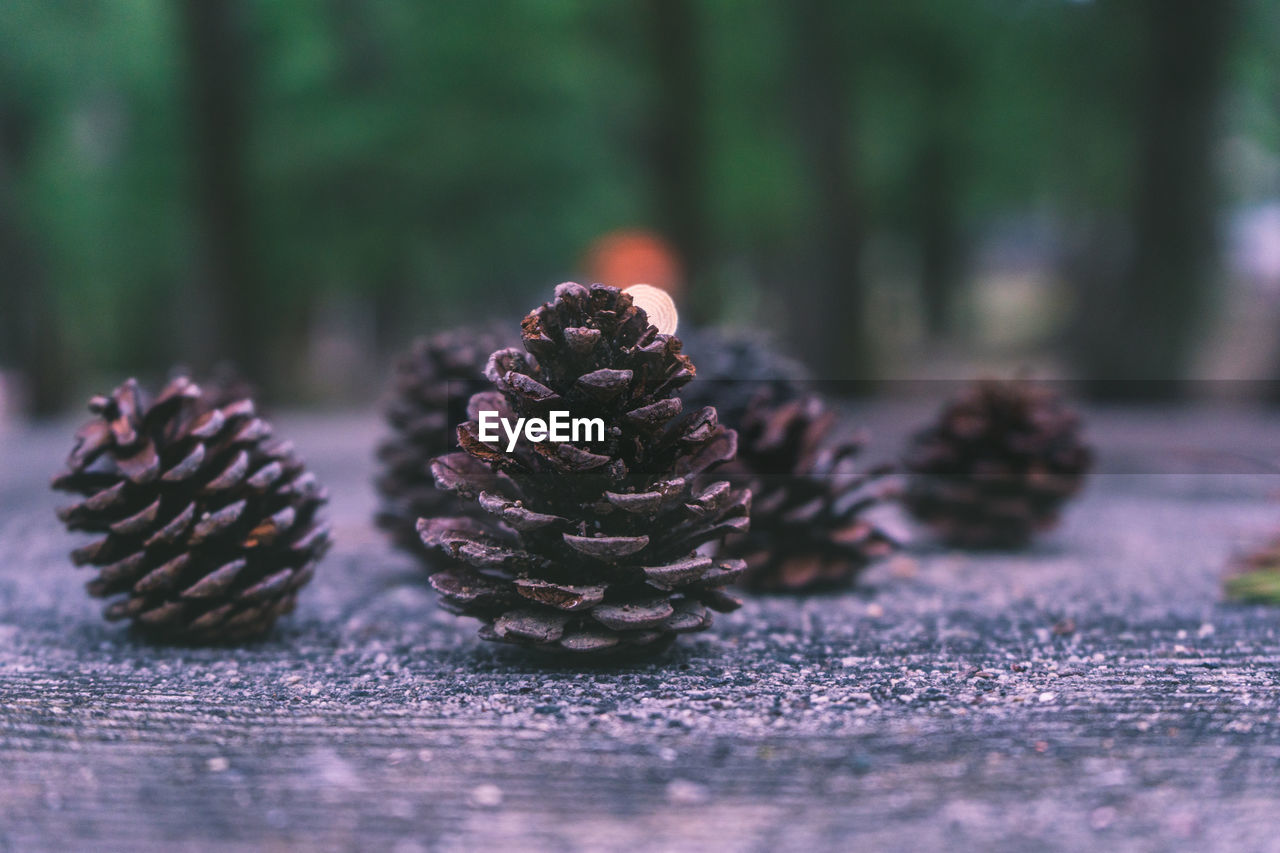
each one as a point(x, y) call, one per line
point(830, 307)
point(679, 144)
point(364, 69)
point(30, 335)
point(939, 176)
point(1146, 327)
point(941, 245)
point(226, 278)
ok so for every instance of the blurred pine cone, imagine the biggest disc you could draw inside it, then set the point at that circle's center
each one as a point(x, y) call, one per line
point(734, 369)
point(1256, 578)
point(597, 549)
point(809, 506)
point(998, 466)
point(808, 525)
point(429, 394)
point(209, 525)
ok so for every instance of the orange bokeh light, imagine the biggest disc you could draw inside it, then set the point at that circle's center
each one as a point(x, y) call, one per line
point(634, 256)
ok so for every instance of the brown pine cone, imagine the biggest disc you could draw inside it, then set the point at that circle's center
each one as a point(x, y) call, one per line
point(735, 368)
point(209, 526)
point(998, 466)
point(429, 394)
point(809, 504)
point(590, 546)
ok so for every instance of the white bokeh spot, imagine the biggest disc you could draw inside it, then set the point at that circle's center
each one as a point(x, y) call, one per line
point(658, 305)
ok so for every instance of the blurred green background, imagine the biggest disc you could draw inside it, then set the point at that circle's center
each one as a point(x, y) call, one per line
point(895, 190)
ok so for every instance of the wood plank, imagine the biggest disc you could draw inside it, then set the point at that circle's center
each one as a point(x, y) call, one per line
point(1092, 691)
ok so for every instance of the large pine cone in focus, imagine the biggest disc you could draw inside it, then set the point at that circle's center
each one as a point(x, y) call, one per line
point(998, 466)
point(590, 546)
point(209, 525)
point(809, 502)
point(429, 394)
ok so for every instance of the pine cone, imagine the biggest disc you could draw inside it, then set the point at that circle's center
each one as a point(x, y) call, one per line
point(209, 524)
point(598, 545)
point(734, 369)
point(1256, 578)
point(809, 528)
point(429, 394)
point(998, 466)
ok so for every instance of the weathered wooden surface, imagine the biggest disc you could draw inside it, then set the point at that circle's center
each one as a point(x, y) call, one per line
point(1091, 692)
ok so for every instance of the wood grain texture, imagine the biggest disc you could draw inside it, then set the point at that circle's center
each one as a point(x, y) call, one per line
point(1091, 692)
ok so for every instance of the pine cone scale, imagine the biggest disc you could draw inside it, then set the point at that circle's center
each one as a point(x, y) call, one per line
point(560, 596)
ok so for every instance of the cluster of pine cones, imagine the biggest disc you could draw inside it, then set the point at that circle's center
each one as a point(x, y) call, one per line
point(720, 466)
